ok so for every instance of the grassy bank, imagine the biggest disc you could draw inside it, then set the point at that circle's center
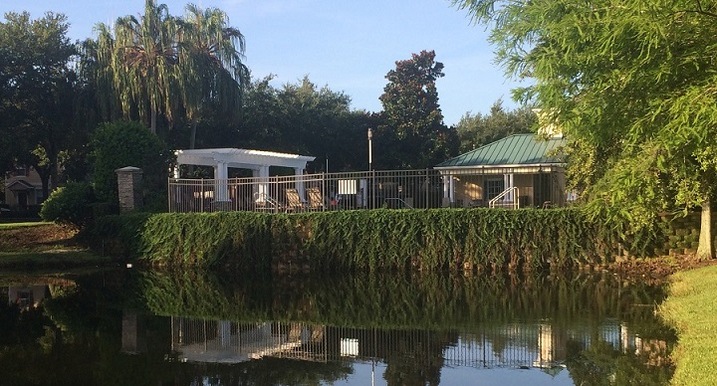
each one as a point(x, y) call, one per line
point(692, 308)
point(40, 245)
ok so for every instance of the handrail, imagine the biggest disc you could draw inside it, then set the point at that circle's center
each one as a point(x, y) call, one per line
point(265, 198)
point(405, 204)
point(516, 201)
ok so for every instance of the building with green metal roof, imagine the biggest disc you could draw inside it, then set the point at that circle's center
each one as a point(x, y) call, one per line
point(521, 170)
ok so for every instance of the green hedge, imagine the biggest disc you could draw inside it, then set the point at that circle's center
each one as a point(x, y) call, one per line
point(440, 239)
point(449, 239)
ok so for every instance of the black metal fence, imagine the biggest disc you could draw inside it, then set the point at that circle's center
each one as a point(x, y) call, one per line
point(396, 189)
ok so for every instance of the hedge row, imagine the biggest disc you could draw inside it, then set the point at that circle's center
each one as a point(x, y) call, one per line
point(440, 239)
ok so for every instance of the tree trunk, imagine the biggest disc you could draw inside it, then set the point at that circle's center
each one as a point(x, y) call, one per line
point(153, 122)
point(193, 135)
point(44, 174)
point(705, 250)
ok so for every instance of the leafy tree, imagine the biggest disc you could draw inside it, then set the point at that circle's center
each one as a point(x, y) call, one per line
point(159, 66)
point(414, 132)
point(477, 130)
point(631, 83)
point(144, 61)
point(303, 118)
point(96, 70)
point(36, 92)
point(120, 144)
point(210, 68)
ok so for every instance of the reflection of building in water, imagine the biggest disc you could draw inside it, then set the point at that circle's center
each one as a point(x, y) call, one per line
point(552, 346)
point(27, 296)
point(655, 350)
point(222, 341)
point(542, 345)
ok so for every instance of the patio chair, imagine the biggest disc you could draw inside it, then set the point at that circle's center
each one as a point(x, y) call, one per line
point(293, 201)
point(316, 199)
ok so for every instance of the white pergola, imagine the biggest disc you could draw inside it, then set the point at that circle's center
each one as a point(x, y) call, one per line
point(258, 161)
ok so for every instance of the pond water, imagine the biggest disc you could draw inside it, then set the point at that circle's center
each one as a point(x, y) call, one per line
point(136, 327)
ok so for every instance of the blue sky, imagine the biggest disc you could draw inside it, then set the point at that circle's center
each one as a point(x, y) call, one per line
point(347, 45)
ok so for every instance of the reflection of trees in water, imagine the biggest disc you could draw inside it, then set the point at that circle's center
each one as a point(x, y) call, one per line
point(490, 307)
point(397, 300)
point(601, 364)
point(81, 328)
point(411, 361)
point(43, 343)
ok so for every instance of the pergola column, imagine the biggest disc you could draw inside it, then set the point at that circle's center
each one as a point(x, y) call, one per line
point(299, 181)
point(262, 192)
point(449, 188)
point(221, 175)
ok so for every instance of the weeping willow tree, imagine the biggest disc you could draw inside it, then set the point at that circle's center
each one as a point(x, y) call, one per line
point(632, 85)
point(144, 62)
point(210, 63)
point(158, 64)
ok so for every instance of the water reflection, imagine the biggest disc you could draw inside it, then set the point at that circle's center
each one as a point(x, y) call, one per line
point(188, 328)
point(540, 345)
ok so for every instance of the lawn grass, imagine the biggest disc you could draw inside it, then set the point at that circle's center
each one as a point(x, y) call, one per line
point(43, 245)
point(692, 308)
point(51, 260)
point(14, 225)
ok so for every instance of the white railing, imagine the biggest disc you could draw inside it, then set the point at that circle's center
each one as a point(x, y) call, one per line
point(510, 193)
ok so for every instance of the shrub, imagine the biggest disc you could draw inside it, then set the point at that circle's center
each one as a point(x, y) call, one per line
point(119, 144)
point(70, 204)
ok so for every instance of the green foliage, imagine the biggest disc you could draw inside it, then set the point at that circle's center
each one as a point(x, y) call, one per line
point(120, 236)
point(455, 239)
point(603, 364)
point(70, 204)
point(207, 239)
point(37, 89)
point(477, 130)
point(120, 144)
point(303, 118)
point(414, 135)
point(158, 68)
point(430, 240)
point(210, 69)
point(631, 83)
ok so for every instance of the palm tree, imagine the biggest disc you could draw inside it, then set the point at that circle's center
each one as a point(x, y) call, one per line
point(96, 68)
point(210, 67)
point(145, 61)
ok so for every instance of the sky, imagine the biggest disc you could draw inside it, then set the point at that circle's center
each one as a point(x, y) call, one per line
point(346, 45)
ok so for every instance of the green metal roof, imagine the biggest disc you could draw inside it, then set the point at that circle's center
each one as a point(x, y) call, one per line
point(517, 149)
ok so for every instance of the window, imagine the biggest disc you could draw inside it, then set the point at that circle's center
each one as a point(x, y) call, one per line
point(493, 187)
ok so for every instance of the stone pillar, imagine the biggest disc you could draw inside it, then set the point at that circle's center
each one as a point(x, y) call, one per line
point(129, 187)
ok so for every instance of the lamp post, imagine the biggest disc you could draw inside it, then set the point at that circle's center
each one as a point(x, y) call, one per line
point(370, 149)
point(370, 167)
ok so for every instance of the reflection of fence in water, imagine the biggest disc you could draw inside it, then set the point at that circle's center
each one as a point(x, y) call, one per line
point(199, 340)
point(519, 345)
